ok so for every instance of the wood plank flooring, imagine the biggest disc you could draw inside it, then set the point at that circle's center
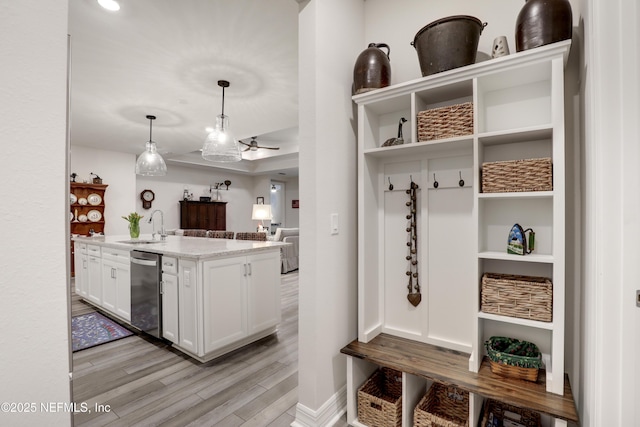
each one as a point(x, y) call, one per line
point(144, 382)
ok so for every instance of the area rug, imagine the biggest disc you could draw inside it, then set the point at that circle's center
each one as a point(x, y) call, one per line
point(92, 329)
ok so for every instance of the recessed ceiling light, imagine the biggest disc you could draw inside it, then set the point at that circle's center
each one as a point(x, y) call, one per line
point(109, 5)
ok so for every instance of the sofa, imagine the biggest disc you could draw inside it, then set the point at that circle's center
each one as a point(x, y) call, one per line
point(288, 254)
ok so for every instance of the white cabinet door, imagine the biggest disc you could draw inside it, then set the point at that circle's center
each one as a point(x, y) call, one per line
point(187, 306)
point(94, 279)
point(263, 280)
point(224, 289)
point(109, 285)
point(81, 270)
point(170, 321)
point(123, 290)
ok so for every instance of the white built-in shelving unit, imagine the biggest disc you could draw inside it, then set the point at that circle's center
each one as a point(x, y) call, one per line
point(518, 114)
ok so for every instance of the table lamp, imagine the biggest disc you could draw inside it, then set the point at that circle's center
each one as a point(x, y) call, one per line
point(260, 213)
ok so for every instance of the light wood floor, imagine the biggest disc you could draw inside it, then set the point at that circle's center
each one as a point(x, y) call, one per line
point(147, 383)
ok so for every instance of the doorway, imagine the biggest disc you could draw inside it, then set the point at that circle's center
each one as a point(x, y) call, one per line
point(278, 205)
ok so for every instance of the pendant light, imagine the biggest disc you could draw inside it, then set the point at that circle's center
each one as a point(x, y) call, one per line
point(220, 145)
point(150, 162)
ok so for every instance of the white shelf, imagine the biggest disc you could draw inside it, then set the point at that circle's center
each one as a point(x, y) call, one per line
point(517, 195)
point(516, 321)
point(419, 148)
point(531, 133)
point(503, 256)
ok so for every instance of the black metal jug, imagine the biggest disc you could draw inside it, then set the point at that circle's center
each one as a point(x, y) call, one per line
point(372, 69)
point(541, 22)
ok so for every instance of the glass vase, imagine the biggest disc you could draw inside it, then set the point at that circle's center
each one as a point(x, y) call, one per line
point(134, 230)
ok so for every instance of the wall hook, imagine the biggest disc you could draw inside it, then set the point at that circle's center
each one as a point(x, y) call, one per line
point(390, 184)
point(435, 182)
point(461, 182)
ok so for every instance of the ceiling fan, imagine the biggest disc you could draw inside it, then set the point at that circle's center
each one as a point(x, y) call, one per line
point(253, 145)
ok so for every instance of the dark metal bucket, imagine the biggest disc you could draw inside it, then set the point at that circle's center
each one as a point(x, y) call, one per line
point(448, 43)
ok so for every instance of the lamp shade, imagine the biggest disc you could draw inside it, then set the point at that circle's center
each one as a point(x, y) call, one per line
point(261, 212)
point(150, 162)
point(220, 145)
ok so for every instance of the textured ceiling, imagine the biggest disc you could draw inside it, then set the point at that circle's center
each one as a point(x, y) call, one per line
point(165, 57)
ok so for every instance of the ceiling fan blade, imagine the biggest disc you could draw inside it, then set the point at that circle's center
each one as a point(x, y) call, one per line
point(248, 145)
point(271, 148)
point(247, 149)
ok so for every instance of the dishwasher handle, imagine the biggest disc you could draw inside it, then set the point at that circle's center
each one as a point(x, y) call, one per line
point(151, 263)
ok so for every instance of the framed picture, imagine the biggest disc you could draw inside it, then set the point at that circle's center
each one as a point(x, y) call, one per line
point(295, 204)
point(260, 200)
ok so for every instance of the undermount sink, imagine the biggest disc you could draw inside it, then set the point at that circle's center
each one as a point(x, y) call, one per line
point(140, 242)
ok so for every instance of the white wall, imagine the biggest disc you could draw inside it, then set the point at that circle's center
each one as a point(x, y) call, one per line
point(611, 320)
point(292, 216)
point(331, 36)
point(117, 171)
point(168, 190)
point(123, 194)
point(34, 361)
point(398, 24)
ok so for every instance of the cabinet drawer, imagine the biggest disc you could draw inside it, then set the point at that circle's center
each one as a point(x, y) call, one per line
point(115, 254)
point(169, 265)
point(80, 247)
point(93, 250)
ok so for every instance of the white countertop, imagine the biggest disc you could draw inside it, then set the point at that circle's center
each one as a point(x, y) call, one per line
point(181, 246)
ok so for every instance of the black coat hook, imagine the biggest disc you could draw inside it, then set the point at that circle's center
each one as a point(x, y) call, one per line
point(390, 184)
point(435, 183)
point(461, 182)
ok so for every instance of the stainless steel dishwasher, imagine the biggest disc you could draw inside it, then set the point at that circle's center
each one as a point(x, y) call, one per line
point(146, 270)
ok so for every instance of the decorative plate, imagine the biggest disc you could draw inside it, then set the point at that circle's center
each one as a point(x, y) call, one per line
point(82, 218)
point(73, 198)
point(82, 201)
point(70, 216)
point(94, 199)
point(94, 215)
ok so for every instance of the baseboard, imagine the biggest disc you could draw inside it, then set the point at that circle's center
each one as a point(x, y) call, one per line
point(327, 415)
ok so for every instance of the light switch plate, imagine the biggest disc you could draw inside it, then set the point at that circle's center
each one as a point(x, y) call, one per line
point(334, 223)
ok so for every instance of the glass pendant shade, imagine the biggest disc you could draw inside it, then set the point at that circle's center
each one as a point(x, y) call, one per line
point(150, 162)
point(220, 145)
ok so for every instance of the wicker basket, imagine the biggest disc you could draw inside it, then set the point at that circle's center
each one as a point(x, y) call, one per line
point(513, 358)
point(525, 417)
point(380, 399)
point(525, 297)
point(442, 406)
point(517, 176)
point(445, 122)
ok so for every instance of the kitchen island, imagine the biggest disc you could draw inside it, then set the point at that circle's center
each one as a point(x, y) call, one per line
point(216, 295)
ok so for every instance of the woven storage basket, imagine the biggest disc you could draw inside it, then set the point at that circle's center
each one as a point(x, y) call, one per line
point(517, 175)
point(442, 406)
point(513, 358)
point(527, 417)
point(445, 122)
point(380, 399)
point(525, 297)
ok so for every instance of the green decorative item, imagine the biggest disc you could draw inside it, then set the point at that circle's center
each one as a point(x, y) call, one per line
point(134, 224)
point(517, 244)
point(510, 351)
point(513, 358)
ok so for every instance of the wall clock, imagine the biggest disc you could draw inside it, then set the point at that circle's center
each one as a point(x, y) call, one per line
point(147, 197)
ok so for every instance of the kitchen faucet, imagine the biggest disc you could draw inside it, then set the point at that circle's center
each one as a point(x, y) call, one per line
point(163, 233)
